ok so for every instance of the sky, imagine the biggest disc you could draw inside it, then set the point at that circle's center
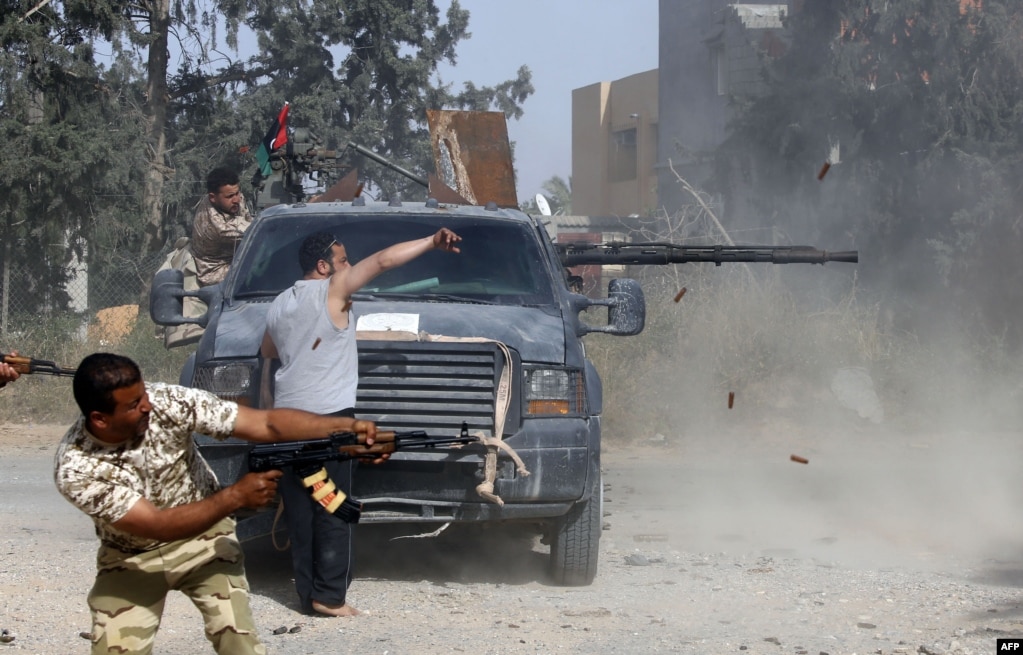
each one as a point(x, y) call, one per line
point(566, 44)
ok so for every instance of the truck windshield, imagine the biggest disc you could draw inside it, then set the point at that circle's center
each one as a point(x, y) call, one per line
point(500, 261)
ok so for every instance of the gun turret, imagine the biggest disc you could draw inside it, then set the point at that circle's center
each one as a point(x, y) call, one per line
point(578, 254)
point(302, 158)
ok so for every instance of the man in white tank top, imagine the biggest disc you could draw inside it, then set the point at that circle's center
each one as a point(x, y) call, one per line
point(309, 328)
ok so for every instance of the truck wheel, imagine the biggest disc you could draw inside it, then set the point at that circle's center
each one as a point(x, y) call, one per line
point(575, 541)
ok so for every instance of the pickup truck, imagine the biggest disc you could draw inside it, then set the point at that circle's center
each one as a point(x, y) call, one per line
point(489, 340)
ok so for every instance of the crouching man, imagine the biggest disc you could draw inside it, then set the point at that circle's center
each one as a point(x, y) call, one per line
point(163, 521)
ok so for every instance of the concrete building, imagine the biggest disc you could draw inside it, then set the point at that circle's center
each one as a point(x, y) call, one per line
point(633, 137)
point(614, 146)
point(710, 53)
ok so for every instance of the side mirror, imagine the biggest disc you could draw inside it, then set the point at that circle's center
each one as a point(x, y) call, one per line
point(626, 309)
point(627, 312)
point(166, 299)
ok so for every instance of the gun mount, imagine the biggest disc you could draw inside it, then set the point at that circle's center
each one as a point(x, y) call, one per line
point(302, 158)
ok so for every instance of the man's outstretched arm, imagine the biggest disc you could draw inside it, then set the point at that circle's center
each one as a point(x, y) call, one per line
point(356, 277)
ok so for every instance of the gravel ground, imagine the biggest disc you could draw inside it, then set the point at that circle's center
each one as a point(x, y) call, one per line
point(879, 544)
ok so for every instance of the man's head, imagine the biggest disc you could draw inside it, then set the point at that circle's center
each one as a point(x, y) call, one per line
point(109, 390)
point(224, 191)
point(321, 255)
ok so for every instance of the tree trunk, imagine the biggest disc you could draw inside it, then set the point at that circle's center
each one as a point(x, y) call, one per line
point(156, 116)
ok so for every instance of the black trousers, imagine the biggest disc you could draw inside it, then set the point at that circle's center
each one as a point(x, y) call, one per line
point(321, 543)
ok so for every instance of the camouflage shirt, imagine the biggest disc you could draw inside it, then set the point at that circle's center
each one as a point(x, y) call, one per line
point(163, 465)
point(215, 237)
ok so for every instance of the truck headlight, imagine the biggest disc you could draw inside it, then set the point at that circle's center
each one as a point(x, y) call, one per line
point(556, 391)
point(228, 380)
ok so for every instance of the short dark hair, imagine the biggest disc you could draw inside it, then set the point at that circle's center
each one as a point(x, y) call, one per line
point(220, 177)
point(314, 248)
point(98, 377)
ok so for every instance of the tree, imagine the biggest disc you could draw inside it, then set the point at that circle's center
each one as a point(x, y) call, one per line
point(559, 197)
point(126, 137)
point(64, 130)
point(366, 71)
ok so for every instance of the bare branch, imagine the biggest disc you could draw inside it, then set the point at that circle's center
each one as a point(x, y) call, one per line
point(42, 3)
point(713, 217)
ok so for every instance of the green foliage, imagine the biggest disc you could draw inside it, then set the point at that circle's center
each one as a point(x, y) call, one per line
point(65, 131)
point(365, 71)
point(559, 197)
point(109, 145)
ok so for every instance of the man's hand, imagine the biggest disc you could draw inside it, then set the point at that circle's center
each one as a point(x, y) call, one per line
point(257, 490)
point(445, 240)
point(369, 428)
point(7, 372)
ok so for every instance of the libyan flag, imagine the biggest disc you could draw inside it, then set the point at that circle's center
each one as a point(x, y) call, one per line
point(275, 137)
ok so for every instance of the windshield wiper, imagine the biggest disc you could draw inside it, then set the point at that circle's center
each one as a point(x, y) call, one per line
point(428, 297)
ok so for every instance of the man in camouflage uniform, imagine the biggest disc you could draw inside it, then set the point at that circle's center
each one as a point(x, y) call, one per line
point(221, 219)
point(163, 521)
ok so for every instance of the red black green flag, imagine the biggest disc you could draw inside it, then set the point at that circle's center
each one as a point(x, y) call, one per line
point(275, 137)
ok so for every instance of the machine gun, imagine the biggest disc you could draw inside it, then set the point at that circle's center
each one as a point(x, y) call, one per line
point(579, 254)
point(307, 458)
point(301, 158)
point(25, 365)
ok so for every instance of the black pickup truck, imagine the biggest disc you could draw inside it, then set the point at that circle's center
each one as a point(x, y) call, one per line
point(490, 339)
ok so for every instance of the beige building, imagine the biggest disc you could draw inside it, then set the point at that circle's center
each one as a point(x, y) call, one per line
point(614, 146)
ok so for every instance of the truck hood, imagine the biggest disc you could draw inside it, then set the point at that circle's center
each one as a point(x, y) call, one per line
point(538, 334)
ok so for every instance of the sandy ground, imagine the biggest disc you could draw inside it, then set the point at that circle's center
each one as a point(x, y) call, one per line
point(879, 544)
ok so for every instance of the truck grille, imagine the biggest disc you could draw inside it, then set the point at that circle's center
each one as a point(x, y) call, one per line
point(430, 386)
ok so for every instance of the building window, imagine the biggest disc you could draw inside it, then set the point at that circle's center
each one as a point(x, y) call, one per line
point(623, 155)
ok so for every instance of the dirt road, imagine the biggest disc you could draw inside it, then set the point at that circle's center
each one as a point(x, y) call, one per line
point(879, 544)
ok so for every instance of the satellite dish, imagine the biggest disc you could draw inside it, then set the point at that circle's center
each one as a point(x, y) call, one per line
point(541, 203)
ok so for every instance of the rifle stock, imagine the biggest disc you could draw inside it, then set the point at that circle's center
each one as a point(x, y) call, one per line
point(26, 365)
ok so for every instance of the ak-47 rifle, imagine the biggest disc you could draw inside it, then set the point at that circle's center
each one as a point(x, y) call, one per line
point(576, 254)
point(307, 458)
point(25, 365)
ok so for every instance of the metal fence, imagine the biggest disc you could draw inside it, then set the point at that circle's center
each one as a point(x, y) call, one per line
point(105, 311)
point(106, 303)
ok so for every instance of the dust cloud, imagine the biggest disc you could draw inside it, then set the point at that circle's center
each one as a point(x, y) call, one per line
point(910, 429)
point(860, 501)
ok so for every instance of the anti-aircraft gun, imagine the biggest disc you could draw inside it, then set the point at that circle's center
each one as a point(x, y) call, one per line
point(486, 170)
point(303, 158)
point(472, 157)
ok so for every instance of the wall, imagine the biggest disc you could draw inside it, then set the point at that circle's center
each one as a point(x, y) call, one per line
point(603, 115)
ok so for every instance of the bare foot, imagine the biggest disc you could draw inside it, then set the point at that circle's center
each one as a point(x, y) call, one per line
point(335, 610)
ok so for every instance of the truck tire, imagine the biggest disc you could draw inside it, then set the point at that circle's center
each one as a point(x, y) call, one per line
point(575, 541)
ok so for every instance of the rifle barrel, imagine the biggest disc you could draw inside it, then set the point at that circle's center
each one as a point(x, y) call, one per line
point(26, 365)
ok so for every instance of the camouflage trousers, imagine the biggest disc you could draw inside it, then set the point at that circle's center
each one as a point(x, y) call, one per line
point(128, 597)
